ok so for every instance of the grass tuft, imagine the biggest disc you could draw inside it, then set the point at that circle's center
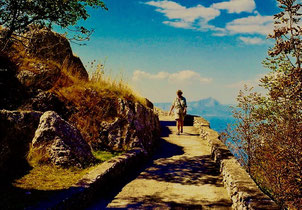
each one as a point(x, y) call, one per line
point(105, 155)
point(93, 101)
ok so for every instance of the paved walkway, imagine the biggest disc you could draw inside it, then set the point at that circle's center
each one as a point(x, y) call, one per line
point(182, 175)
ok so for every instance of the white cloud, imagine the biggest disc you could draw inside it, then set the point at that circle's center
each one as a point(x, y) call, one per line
point(251, 25)
point(252, 40)
point(138, 75)
point(198, 17)
point(250, 83)
point(179, 24)
point(183, 17)
point(185, 76)
point(236, 6)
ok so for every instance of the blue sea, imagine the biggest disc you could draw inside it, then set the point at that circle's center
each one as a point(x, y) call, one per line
point(219, 124)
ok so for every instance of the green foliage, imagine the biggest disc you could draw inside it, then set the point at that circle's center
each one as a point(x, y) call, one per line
point(17, 15)
point(268, 134)
point(105, 155)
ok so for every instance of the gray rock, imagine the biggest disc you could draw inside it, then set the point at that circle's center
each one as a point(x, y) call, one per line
point(135, 126)
point(48, 45)
point(46, 101)
point(45, 58)
point(61, 143)
point(38, 76)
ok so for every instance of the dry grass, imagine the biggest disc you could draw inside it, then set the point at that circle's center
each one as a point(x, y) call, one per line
point(48, 177)
point(37, 156)
point(90, 102)
point(93, 101)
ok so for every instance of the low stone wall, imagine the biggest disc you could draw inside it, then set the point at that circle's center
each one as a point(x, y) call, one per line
point(243, 191)
point(97, 182)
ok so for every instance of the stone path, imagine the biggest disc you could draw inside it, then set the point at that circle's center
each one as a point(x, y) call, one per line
point(182, 175)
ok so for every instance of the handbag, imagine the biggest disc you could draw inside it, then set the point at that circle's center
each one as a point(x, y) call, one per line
point(182, 110)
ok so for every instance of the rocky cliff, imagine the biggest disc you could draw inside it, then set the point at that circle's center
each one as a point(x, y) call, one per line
point(41, 125)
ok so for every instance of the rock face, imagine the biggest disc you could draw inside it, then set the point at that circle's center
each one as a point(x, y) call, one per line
point(46, 44)
point(135, 126)
point(17, 129)
point(27, 75)
point(38, 76)
point(25, 70)
point(60, 143)
point(47, 54)
point(46, 101)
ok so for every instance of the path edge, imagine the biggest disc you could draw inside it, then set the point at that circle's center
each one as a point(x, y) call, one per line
point(97, 182)
point(244, 192)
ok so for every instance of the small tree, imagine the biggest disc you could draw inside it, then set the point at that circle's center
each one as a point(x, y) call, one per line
point(269, 128)
point(17, 15)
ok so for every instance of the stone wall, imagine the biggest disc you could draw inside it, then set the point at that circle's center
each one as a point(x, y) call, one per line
point(243, 191)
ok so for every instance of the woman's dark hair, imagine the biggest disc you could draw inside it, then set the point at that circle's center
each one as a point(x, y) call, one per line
point(179, 92)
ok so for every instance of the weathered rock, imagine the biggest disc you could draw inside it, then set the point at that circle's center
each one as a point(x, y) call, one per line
point(46, 56)
point(135, 126)
point(61, 143)
point(48, 45)
point(115, 135)
point(17, 129)
point(46, 101)
point(38, 76)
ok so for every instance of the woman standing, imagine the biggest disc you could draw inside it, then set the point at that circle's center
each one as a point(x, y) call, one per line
point(180, 109)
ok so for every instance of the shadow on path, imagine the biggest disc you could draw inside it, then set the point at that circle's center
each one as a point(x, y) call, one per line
point(156, 202)
point(171, 165)
point(196, 171)
point(163, 150)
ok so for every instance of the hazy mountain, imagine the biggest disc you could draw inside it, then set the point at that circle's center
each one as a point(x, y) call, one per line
point(219, 115)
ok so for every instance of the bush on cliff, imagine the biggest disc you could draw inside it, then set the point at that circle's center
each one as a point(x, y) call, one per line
point(268, 133)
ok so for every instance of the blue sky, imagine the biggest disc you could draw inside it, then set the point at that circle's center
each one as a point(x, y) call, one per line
point(207, 48)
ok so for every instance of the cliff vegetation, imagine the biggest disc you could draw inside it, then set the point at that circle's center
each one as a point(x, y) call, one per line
point(60, 118)
point(267, 135)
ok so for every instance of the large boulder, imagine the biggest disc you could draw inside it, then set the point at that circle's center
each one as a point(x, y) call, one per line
point(58, 142)
point(51, 46)
point(135, 126)
point(17, 129)
point(45, 58)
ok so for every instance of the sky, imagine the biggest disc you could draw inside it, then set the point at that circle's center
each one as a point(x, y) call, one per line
point(206, 48)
